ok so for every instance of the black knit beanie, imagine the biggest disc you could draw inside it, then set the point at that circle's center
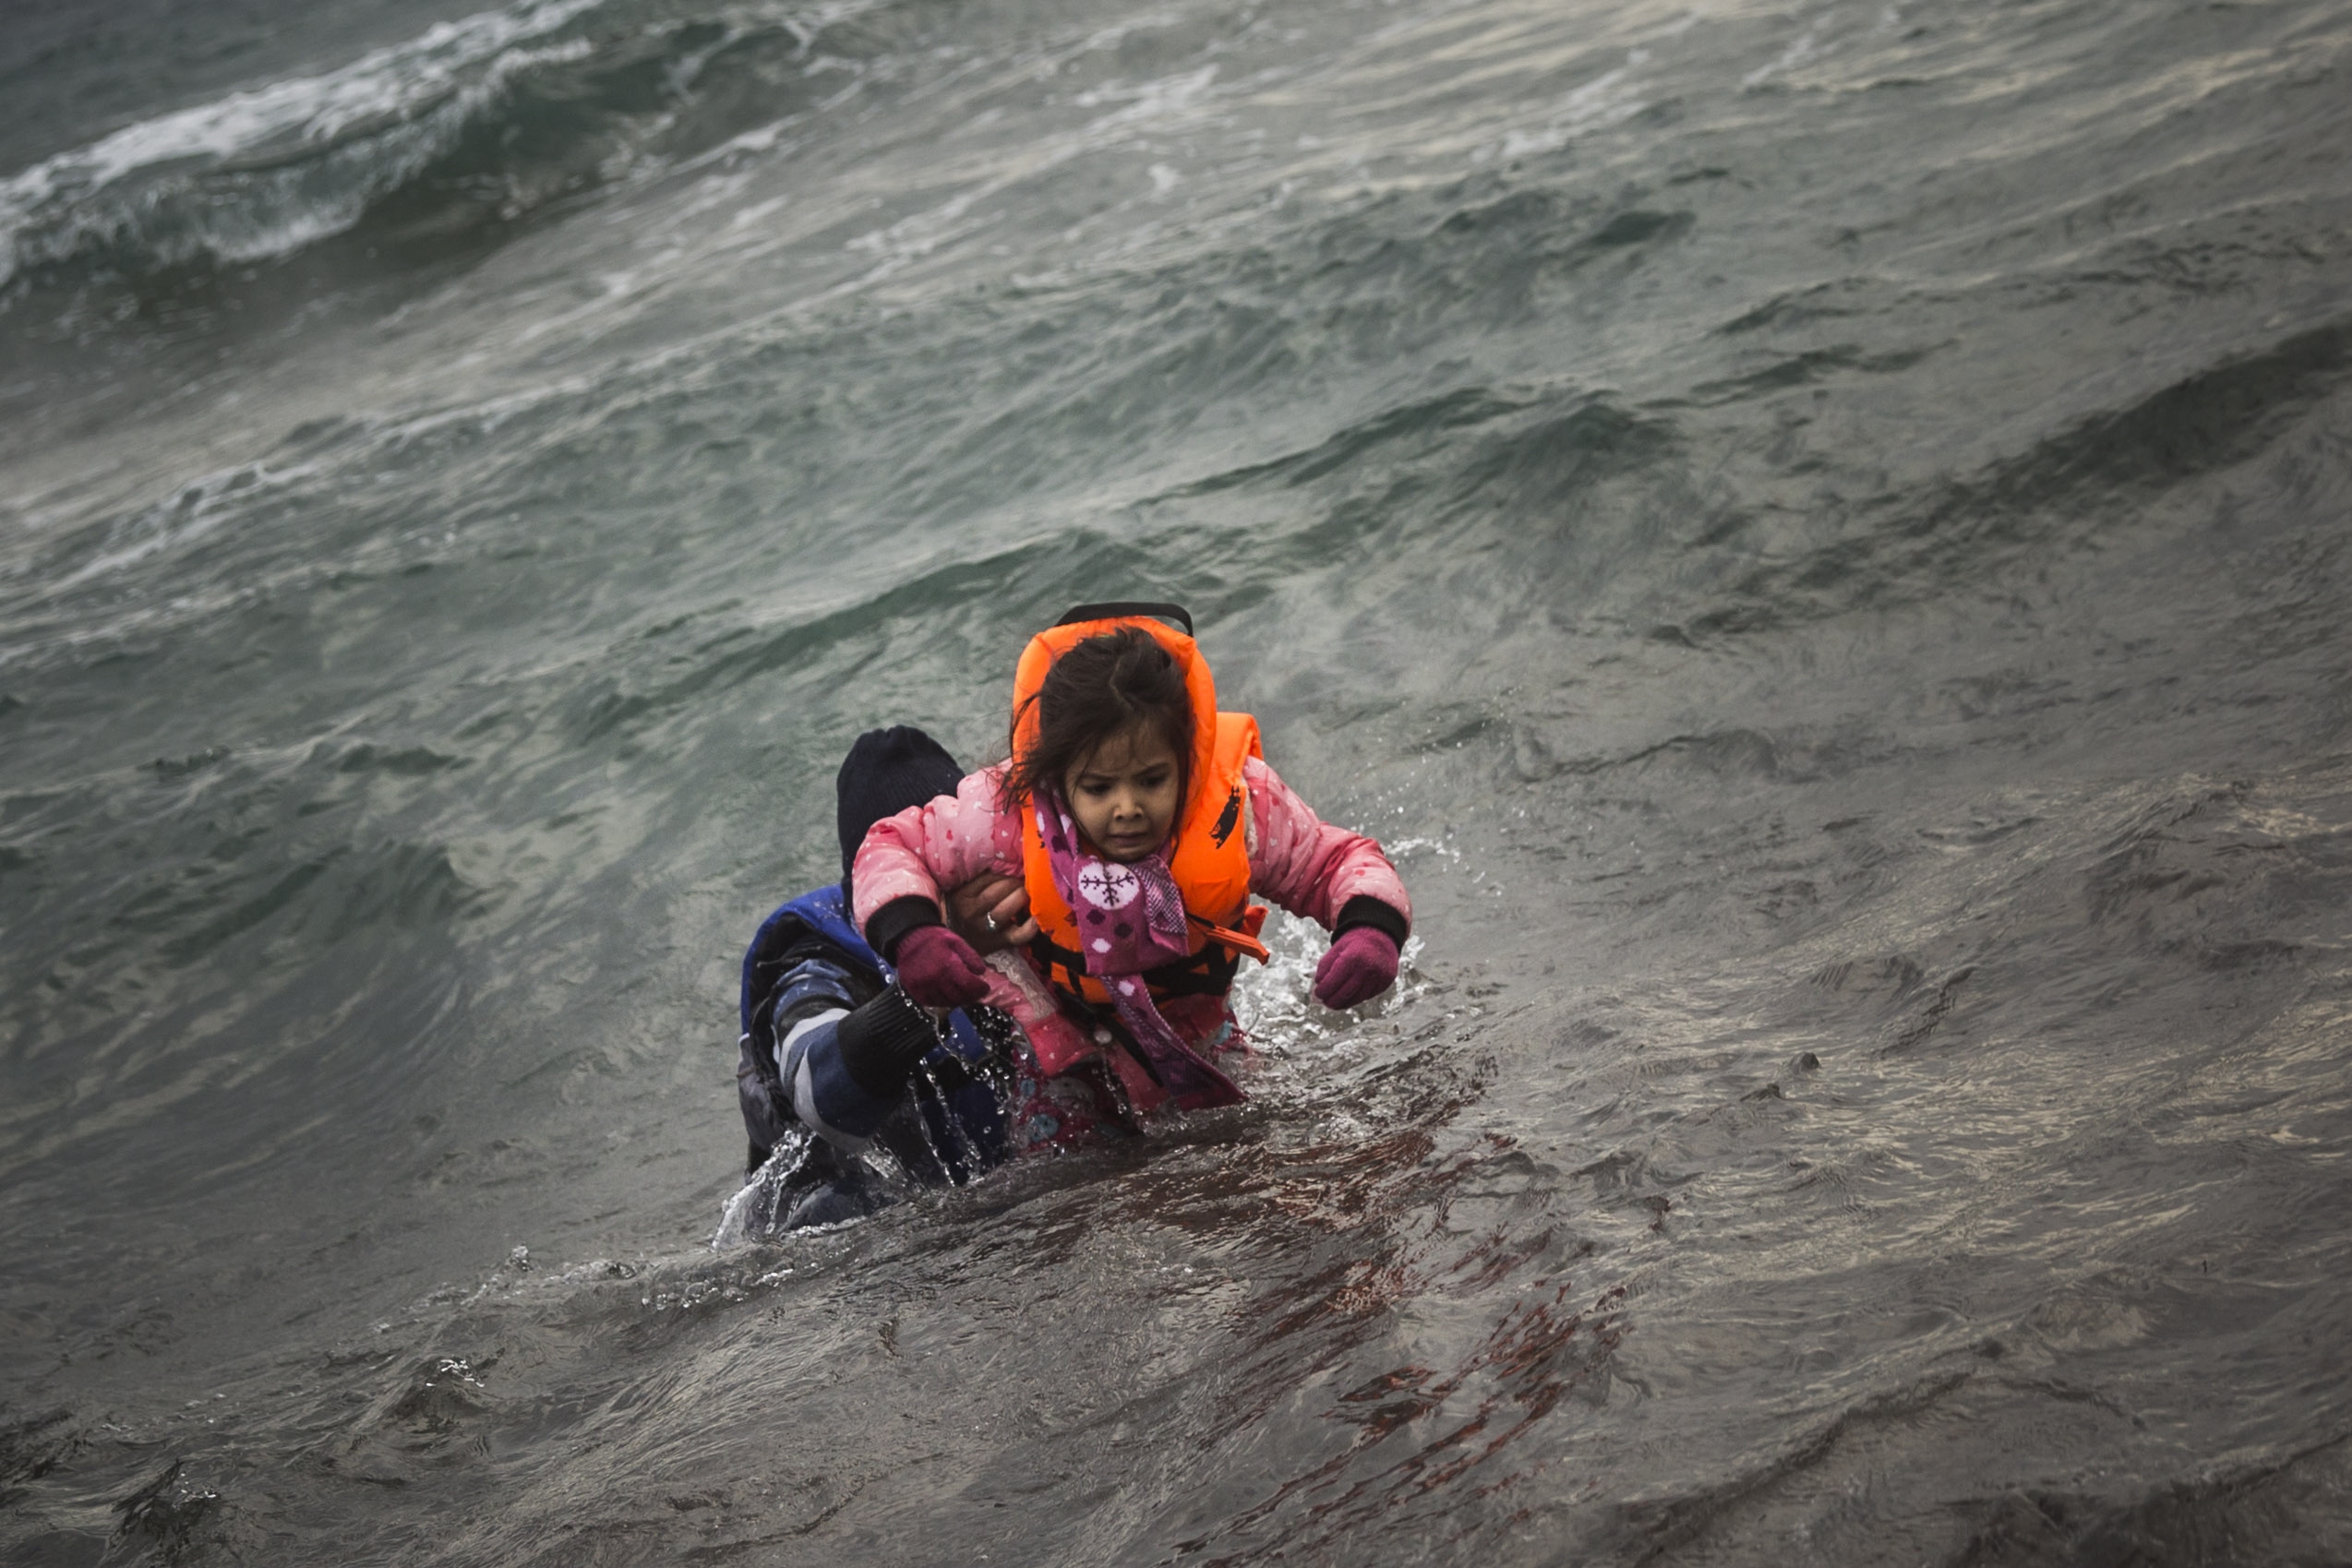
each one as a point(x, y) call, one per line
point(886, 771)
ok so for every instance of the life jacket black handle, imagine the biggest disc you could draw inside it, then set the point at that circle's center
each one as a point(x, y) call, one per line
point(1125, 607)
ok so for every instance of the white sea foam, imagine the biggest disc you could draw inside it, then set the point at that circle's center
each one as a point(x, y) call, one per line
point(396, 106)
point(1607, 100)
point(197, 510)
point(1807, 48)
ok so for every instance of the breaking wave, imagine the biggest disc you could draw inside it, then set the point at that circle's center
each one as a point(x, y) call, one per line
point(473, 124)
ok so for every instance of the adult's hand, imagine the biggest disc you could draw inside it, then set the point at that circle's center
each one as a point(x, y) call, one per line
point(991, 911)
point(937, 969)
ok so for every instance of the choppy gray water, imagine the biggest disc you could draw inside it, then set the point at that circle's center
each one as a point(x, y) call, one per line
point(1817, 533)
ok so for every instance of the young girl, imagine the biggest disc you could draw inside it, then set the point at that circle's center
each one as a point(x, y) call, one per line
point(1139, 819)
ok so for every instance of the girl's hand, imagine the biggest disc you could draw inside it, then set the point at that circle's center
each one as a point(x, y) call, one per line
point(1360, 964)
point(938, 968)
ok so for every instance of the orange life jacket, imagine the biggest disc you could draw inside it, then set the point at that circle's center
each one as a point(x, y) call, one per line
point(1210, 861)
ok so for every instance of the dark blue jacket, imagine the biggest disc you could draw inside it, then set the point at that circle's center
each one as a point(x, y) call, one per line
point(806, 970)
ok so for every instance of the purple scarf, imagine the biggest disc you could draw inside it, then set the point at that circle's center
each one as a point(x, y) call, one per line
point(1131, 918)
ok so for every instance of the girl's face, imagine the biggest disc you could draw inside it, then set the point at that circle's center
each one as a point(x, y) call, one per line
point(1125, 793)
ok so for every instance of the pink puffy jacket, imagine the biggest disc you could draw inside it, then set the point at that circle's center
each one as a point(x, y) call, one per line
point(1297, 859)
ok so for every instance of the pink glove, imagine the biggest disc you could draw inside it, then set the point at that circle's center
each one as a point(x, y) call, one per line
point(938, 968)
point(1360, 964)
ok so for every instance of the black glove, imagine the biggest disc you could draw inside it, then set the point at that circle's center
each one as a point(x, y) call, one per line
point(881, 1041)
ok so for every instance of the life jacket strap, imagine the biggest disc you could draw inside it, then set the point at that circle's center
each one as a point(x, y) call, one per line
point(1209, 971)
point(1238, 941)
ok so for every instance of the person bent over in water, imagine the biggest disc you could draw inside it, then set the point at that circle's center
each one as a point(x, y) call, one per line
point(835, 1059)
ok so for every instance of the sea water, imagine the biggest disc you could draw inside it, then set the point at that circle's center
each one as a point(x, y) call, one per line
point(1814, 533)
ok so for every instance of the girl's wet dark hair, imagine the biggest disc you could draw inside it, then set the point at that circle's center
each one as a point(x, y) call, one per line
point(1096, 689)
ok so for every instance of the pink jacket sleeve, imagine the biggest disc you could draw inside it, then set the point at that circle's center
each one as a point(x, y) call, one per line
point(1297, 859)
point(1303, 862)
point(943, 844)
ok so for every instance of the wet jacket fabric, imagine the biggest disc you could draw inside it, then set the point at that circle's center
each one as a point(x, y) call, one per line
point(1307, 865)
point(806, 970)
